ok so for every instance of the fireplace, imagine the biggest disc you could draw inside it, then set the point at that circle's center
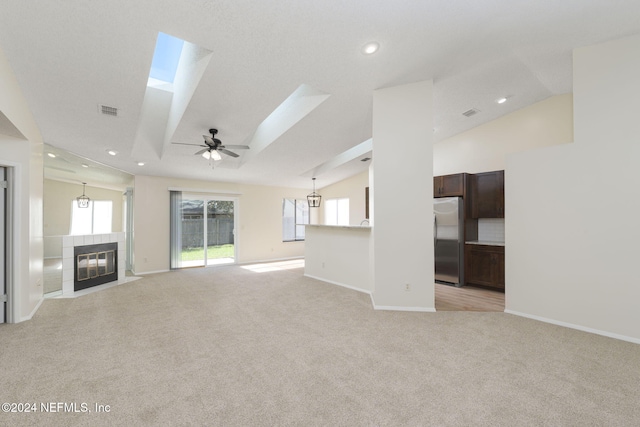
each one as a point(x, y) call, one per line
point(95, 265)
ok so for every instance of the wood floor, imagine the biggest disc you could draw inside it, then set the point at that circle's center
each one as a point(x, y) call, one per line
point(468, 298)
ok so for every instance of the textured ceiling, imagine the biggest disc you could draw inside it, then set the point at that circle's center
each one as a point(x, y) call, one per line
point(71, 56)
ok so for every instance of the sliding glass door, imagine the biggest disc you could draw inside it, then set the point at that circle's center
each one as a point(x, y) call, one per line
point(220, 236)
point(207, 231)
point(192, 232)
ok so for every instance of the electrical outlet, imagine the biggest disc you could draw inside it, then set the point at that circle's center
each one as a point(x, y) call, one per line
point(322, 264)
point(146, 259)
point(407, 287)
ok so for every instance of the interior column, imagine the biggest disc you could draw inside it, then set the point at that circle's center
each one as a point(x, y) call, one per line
point(402, 186)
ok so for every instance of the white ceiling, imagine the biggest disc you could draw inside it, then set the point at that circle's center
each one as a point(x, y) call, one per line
point(248, 57)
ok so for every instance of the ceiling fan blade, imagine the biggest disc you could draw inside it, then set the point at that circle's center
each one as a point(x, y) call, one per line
point(204, 150)
point(208, 140)
point(184, 143)
point(227, 152)
point(236, 147)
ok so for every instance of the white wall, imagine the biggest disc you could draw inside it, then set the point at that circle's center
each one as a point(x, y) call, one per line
point(402, 241)
point(351, 188)
point(572, 227)
point(259, 232)
point(339, 255)
point(485, 148)
point(25, 157)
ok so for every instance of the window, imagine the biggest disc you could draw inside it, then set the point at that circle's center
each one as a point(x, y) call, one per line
point(336, 212)
point(166, 58)
point(96, 219)
point(295, 213)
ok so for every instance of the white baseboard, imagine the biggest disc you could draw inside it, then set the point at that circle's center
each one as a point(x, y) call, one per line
point(573, 326)
point(142, 273)
point(149, 272)
point(370, 293)
point(269, 260)
point(400, 308)
point(33, 312)
point(353, 288)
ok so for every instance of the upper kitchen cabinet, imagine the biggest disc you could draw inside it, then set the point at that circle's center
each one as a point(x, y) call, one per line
point(448, 185)
point(487, 195)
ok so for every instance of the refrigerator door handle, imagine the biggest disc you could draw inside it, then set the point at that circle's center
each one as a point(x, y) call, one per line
point(435, 228)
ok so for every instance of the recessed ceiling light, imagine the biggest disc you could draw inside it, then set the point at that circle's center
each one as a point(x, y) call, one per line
point(370, 48)
point(112, 152)
point(140, 163)
point(501, 100)
point(53, 156)
point(85, 166)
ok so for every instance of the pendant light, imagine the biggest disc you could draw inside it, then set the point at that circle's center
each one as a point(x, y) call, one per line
point(83, 201)
point(314, 198)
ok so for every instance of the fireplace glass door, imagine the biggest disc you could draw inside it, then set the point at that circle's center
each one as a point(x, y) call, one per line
point(95, 264)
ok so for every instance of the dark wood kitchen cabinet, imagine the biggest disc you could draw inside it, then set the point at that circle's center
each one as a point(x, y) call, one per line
point(449, 185)
point(484, 265)
point(487, 195)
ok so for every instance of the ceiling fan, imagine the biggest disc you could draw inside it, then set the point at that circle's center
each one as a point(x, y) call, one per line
point(213, 147)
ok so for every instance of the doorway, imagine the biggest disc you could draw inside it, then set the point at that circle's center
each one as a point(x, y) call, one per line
point(207, 228)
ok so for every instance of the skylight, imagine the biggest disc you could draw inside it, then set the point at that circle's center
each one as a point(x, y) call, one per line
point(166, 58)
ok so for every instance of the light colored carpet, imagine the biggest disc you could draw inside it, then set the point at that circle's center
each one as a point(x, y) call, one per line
point(228, 346)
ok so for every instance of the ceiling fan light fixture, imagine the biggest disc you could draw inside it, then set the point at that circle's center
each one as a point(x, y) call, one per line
point(213, 147)
point(212, 154)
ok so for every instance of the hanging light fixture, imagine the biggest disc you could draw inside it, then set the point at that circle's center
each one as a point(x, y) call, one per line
point(83, 201)
point(212, 154)
point(314, 198)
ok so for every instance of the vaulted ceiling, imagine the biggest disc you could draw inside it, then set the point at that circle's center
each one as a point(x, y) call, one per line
point(288, 77)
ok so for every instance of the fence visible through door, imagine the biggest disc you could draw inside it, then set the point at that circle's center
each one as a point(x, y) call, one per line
point(207, 231)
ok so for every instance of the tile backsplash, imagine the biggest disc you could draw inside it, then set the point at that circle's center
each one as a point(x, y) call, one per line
point(491, 229)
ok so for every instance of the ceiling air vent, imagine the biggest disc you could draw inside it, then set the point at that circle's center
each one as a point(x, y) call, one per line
point(366, 159)
point(471, 112)
point(109, 111)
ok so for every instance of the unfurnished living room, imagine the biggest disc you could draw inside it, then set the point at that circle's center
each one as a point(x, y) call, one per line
point(319, 213)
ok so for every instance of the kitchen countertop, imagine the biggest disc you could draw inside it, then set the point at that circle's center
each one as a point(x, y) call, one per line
point(356, 227)
point(484, 242)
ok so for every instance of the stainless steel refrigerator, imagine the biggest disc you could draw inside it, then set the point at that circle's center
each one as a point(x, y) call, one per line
point(448, 239)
